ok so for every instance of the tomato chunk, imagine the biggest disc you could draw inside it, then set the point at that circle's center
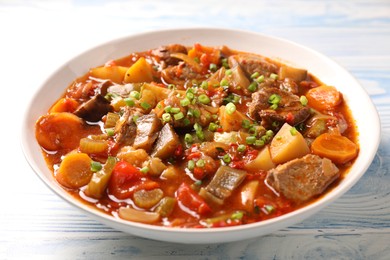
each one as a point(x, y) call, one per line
point(191, 200)
point(123, 179)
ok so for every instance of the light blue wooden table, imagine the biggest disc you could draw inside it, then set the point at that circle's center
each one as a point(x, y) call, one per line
point(37, 36)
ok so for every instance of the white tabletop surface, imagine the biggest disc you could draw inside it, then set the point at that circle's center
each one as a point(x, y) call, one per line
point(37, 36)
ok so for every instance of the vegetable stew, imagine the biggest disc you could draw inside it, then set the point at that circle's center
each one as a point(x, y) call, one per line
point(198, 136)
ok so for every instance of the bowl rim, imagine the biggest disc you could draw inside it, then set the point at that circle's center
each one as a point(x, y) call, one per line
point(146, 230)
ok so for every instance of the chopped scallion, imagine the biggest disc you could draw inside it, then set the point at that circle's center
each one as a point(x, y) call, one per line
point(230, 108)
point(135, 94)
point(250, 139)
point(191, 165)
point(145, 105)
point(213, 127)
point(241, 148)
point(110, 131)
point(188, 138)
point(293, 131)
point(96, 166)
point(175, 110)
point(200, 163)
point(144, 170)
point(204, 99)
point(255, 75)
point(129, 101)
point(178, 116)
point(252, 87)
point(303, 100)
point(213, 67)
point(166, 117)
point(226, 158)
point(185, 102)
point(273, 76)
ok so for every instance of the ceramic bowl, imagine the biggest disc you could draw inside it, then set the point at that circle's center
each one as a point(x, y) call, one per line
point(328, 71)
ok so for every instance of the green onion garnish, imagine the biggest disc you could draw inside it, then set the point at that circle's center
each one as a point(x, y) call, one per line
point(204, 85)
point(224, 82)
point(260, 79)
point(144, 170)
point(213, 127)
point(303, 100)
point(200, 163)
point(185, 102)
point(230, 108)
point(255, 75)
point(96, 166)
point(135, 94)
point(226, 158)
point(273, 76)
point(188, 138)
point(245, 123)
point(204, 99)
point(129, 101)
point(293, 131)
point(166, 117)
point(178, 116)
point(145, 105)
point(191, 165)
point(213, 67)
point(110, 131)
point(252, 87)
point(241, 148)
point(250, 139)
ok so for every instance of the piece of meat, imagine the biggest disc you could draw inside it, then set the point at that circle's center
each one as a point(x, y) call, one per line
point(94, 109)
point(180, 74)
point(125, 128)
point(148, 127)
point(303, 178)
point(164, 53)
point(224, 182)
point(289, 108)
point(251, 63)
point(167, 142)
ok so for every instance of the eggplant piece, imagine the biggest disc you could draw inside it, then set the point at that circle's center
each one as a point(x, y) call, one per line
point(224, 182)
point(167, 142)
point(94, 109)
point(296, 74)
point(148, 127)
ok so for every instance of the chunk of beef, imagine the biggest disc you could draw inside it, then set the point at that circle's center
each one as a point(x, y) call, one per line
point(303, 178)
point(167, 142)
point(148, 127)
point(164, 53)
point(224, 182)
point(180, 74)
point(289, 108)
point(125, 128)
point(94, 109)
point(251, 63)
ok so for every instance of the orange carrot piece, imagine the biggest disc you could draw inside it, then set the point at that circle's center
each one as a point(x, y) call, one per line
point(324, 97)
point(59, 131)
point(64, 105)
point(337, 148)
point(75, 170)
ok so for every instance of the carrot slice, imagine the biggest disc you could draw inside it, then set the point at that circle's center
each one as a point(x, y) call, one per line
point(324, 97)
point(75, 170)
point(64, 105)
point(59, 131)
point(337, 148)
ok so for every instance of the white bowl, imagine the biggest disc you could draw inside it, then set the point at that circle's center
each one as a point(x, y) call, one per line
point(325, 69)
